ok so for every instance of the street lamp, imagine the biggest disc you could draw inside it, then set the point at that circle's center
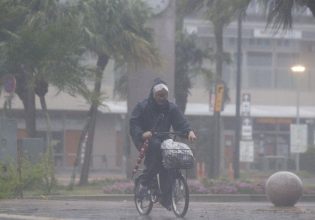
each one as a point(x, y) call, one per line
point(298, 70)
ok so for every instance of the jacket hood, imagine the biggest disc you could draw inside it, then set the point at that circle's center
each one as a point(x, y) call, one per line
point(156, 82)
point(152, 103)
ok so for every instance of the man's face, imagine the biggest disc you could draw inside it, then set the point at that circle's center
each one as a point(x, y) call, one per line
point(161, 96)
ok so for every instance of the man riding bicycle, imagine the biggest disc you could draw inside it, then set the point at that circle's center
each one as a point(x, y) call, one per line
point(158, 114)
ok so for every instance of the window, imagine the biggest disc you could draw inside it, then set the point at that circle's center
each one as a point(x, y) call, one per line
point(286, 60)
point(263, 43)
point(284, 78)
point(227, 71)
point(259, 78)
point(259, 69)
point(58, 145)
point(259, 59)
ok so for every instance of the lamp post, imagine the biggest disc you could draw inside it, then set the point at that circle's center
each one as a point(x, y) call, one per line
point(298, 70)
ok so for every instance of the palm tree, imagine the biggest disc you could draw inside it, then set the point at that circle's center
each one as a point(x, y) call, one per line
point(189, 57)
point(37, 56)
point(43, 48)
point(113, 30)
point(188, 62)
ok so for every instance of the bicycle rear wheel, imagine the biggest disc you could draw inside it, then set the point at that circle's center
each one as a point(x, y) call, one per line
point(142, 200)
point(180, 196)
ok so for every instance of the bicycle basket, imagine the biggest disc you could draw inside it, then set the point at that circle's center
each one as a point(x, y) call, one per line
point(176, 155)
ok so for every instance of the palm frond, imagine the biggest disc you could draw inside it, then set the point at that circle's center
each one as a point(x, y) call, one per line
point(279, 12)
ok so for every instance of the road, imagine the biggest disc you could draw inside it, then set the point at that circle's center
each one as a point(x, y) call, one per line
point(124, 210)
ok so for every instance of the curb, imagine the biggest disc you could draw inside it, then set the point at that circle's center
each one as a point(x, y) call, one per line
point(193, 197)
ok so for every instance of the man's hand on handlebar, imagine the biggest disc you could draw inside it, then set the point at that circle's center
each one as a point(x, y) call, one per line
point(191, 136)
point(146, 135)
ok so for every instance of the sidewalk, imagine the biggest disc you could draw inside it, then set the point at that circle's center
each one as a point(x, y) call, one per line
point(64, 178)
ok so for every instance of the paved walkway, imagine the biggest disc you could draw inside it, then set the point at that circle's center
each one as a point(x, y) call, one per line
point(125, 210)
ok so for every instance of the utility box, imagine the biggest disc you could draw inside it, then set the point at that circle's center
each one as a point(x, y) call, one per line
point(32, 149)
point(8, 140)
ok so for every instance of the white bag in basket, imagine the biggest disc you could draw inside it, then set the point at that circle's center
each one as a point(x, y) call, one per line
point(176, 155)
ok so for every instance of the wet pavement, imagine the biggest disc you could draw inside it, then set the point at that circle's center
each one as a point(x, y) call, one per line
point(125, 210)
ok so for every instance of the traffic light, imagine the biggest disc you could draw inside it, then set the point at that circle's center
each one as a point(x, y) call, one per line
point(219, 97)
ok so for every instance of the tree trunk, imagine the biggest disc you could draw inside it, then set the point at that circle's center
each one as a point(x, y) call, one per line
point(26, 93)
point(41, 89)
point(78, 153)
point(182, 84)
point(30, 113)
point(101, 64)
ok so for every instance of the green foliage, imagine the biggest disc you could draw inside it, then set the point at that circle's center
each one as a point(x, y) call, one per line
point(189, 57)
point(124, 36)
point(9, 181)
point(55, 59)
point(15, 179)
point(188, 63)
point(48, 176)
point(280, 12)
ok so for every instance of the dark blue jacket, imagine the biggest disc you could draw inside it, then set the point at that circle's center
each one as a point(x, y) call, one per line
point(148, 116)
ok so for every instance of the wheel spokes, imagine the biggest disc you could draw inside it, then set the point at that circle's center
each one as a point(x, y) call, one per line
point(179, 195)
point(143, 202)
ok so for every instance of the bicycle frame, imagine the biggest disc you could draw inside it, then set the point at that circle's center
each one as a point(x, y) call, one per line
point(155, 185)
point(144, 147)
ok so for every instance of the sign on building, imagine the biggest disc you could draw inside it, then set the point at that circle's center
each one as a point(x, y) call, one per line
point(298, 138)
point(245, 105)
point(246, 151)
point(246, 126)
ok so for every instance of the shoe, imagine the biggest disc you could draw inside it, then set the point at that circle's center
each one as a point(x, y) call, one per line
point(166, 205)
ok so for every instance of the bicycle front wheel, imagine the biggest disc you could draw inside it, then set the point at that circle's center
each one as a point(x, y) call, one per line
point(180, 196)
point(142, 200)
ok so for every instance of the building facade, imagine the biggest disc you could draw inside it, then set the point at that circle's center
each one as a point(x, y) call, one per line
point(278, 97)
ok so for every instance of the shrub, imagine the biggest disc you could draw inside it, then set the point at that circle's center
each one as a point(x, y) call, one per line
point(9, 182)
point(223, 186)
point(250, 187)
point(14, 179)
point(195, 186)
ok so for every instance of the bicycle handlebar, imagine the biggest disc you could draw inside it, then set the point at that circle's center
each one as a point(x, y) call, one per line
point(168, 133)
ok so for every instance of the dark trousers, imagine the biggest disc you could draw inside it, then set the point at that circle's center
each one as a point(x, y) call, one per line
point(153, 165)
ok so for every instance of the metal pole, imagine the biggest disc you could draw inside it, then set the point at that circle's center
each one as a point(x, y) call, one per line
point(298, 70)
point(297, 158)
point(236, 159)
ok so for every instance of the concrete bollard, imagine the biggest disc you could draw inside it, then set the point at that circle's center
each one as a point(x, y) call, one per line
point(284, 189)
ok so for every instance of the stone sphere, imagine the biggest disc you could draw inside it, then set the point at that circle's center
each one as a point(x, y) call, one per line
point(284, 188)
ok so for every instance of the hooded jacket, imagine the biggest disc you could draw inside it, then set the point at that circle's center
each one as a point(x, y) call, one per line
point(149, 116)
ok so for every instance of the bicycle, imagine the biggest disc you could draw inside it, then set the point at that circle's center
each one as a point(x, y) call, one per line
point(179, 187)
